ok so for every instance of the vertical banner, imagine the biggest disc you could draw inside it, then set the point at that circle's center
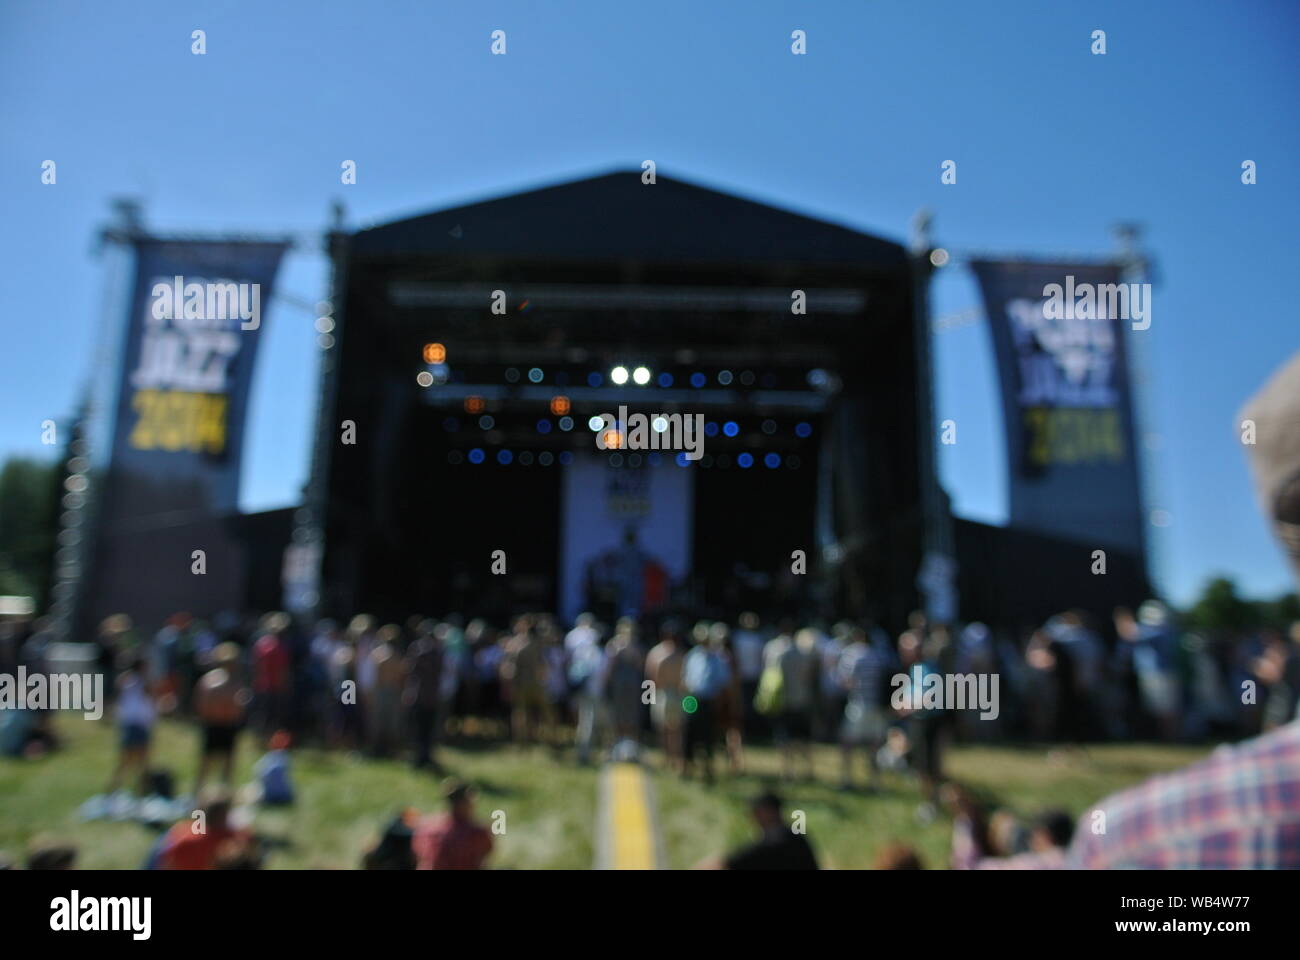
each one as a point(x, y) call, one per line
point(187, 358)
point(1058, 336)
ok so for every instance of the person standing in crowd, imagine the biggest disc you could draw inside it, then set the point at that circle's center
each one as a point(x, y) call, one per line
point(135, 719)
point(523, 672)
point(422, 695)
point(587, 678)
point(862, 674)
point(780, 846)
point(731, 714)
point(390, 681)
point(361, 637)
point(705, 677)
point(799, 666)
point(664, 666)
point(927, 724)
point(452, 840)
point(624, 674)
point(747, 643)
point(221, 701)
point(347, 714)
point(271, 676)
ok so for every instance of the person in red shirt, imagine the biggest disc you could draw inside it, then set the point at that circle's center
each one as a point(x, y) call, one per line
point(271, 673)
point(200, 843)
point(452, 840)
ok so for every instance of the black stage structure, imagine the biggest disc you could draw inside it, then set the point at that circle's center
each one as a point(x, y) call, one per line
point(465, 420)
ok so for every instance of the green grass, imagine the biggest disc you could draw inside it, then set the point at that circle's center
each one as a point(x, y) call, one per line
point(549, 804)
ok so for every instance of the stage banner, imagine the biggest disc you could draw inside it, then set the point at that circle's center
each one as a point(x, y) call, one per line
point(186, 366)
point(1058, 335)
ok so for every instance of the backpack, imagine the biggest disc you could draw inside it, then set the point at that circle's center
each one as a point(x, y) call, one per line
point(770, 697)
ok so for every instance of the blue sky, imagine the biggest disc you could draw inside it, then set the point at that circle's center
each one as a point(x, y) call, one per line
point(1053, 146)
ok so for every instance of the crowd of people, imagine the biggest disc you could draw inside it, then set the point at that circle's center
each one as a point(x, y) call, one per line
point(700, 690)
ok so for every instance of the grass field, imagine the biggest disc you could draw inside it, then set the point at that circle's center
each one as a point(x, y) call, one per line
point(549, 803)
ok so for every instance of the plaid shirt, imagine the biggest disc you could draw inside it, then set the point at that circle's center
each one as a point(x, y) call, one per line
point(1237, 809)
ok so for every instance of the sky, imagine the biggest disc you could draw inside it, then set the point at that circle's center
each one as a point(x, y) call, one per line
point(1054, 145)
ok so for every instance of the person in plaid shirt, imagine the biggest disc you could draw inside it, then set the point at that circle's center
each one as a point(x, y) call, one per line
point(1237, 809)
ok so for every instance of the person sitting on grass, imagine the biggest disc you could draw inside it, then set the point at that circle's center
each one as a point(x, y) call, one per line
point(452, 840)
point(273, 771)
point(200, 843)
point(778, 847)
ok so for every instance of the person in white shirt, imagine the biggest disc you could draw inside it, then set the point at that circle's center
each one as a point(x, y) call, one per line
point(135, 719)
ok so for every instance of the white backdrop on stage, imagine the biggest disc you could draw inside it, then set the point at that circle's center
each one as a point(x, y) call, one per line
point(601, 502)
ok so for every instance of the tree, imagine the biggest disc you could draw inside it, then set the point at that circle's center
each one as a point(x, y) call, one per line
point(28, 526)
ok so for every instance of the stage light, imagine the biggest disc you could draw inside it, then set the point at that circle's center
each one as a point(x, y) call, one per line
point(698, 380)
point(526, 459)
point(474, 404)
point(536, 375)
point(772, 461)
point(724, 377)
point(559, 406)
point(634, 460)
point(939, 257)
point(545, 458)
point(619, 375)
point(659, 425)
point(641, 376)
point(504, 457)
point(803, 430)
point(596, 424)
point(612, 439)
point(455, 457)
point(682, 461)
point(745, 460)
point(594, 379)
point(731, 428)
point(476, 455)
point(424, 378)
point(433, 352)
point(566, 424)
point(486, 422)
point(439, 372)
point(665, 379)
point(710, 429)
point(747, 378)
point(616, 459)
point(769, 427)
point(512, 375)
point(543, 426)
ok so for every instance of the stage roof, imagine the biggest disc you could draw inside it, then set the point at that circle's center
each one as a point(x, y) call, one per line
point(617, 217)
